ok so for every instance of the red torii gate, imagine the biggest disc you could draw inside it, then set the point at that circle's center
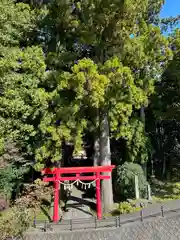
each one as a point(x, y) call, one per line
point(57, 178)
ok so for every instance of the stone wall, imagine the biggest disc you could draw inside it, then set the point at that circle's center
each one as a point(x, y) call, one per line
point(161, 228)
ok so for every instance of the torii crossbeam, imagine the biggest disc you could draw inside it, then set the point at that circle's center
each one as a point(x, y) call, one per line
point(57, 178)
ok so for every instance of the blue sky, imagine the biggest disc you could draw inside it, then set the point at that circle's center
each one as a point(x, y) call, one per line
point(171, 8)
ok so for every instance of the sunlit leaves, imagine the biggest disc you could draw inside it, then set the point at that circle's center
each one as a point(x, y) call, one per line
point(96, 55)
point(15, 20)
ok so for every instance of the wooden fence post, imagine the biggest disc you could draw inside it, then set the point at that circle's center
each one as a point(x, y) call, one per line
point(34, 222)
point(71, 225)
point(95, 221)
point(45, 226)
point(119, 220)
point(162, 211)
point(141, 214)
point(116, 219)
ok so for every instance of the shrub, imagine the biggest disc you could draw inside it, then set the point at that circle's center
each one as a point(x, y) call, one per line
point(3, 203)
point(124, 186)
point(125, 207)
point(13, 167)
point(176, 188)
point(34, 194)
point(14, 222)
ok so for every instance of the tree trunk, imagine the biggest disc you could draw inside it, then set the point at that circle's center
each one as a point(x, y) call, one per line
point(164, 167)
point(143, 119)
point(142, 115)
point(105, 159)
point(169, 170)
point(96, 158)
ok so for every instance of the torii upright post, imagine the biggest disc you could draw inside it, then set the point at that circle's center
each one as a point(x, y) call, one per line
point(56, 199)
point(59, 176)
point(98, 196)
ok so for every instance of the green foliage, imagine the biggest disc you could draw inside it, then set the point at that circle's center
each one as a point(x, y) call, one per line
point(22, 69)
point(170, 23)
point(166, 198)
point(167, 97)
point(83, 58)
point(138, 143)
point(14, 222)
point(9, 179)
point(165, 190)
point(163, 118)
point(16, 20)
point(176, 188)
point(13, 167)
point(125, 185)
point(25, 105)
point(40, 109)
point(17, 219)
point(22, 100)
point(125, 207)
point(124, 60)
point(154, 8)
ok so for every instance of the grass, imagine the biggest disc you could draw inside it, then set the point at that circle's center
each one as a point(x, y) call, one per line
point(165, 191)
point(45, 211)
point(161, 190)
point(118, 208)
point(42, 214)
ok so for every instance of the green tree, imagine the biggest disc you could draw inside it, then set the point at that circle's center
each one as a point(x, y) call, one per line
point(168, 87)
point(118, 53)
point(164, 113)
point(96, 68)
point(30, 107)
point(22, 69)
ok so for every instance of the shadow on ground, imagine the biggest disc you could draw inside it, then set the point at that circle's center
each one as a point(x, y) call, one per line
point(80, 202)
